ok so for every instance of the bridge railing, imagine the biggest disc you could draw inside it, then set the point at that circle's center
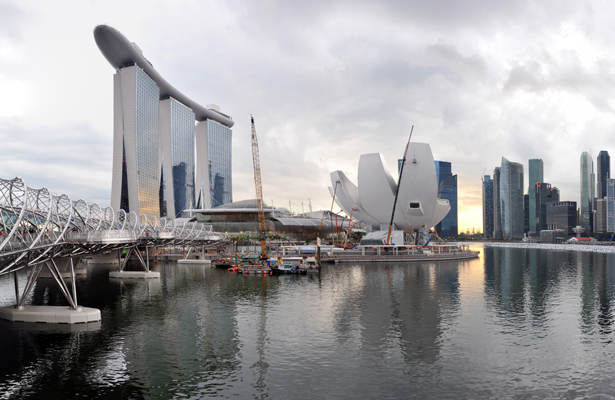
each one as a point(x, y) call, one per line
point(115, 235)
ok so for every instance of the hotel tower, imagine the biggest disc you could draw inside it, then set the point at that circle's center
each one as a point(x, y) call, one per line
point(169, 153)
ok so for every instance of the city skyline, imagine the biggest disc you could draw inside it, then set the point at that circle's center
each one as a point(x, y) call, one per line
point(319, 79)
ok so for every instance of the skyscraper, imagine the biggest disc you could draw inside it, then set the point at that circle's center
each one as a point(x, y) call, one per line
point(511, 199)
point(487, 206)
point(176, 128)
point(497, 212)
point(535, 175)
point(526, 213)
point(587, 191)
point(544, 194)
point(562, 216)
point(136, 168)
point(447, 189)
point(604, 172)
point(219, 139)
point(600, 214)
point(154, 138)
point(610, 205)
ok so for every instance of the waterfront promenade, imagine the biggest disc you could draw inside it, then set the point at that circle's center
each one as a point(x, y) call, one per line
point(403, 254)
point(594, 248)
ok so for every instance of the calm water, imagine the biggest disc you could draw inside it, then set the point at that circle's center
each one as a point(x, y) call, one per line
point(514, 323)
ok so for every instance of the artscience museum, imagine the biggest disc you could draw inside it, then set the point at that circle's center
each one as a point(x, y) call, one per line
point(371, 200)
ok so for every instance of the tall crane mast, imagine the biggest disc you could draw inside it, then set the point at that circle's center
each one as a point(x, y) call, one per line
point(259, 192)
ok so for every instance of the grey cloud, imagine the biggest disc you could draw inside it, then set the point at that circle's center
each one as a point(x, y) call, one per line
point(438, 14)
point(523, 78)
point(601, 103)
point(328, 81)
point(13, 18)
point(398, 72)
point(473, 65)
point(72, 159)
point(568, 73)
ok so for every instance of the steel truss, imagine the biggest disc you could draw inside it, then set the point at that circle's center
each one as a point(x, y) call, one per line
point(38, 229)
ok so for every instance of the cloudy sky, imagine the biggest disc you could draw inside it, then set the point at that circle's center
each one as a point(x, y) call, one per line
point(326, 81)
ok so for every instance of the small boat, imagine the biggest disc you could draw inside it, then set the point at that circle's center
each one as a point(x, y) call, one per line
point(294, 265)
point(288, 269)
point(222, 264)
point(311, 265)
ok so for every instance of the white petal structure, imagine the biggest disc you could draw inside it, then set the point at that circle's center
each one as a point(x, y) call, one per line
point(372, 201)
point(347, 198)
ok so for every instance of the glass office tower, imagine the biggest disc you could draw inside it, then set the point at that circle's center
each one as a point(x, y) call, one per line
point(219, 149)
point(610, 205)
point(487, 206)
point(177, 155)
point(544, 194)
point(136, 180)
point(587, 191)
point(535, 175)
point(526, 213)
point(497, 213)
point(562, 216)
point(511, 199)
point(600, 214)
point(447, 189)
point(604, 172)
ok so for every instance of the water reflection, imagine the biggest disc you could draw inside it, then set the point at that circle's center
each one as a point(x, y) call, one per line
point(522, 283)
point(516, 322)
point(393, 316)
point(597, 293)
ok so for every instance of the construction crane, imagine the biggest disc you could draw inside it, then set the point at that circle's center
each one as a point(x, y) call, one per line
point(401, 170)
point(262, 228)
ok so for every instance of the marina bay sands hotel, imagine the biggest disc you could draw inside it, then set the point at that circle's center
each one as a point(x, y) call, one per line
point(157, 134)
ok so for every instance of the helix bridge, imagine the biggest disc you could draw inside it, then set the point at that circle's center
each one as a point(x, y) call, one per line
point(40, 230)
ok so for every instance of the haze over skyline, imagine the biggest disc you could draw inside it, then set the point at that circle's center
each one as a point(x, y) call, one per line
point(326, 82)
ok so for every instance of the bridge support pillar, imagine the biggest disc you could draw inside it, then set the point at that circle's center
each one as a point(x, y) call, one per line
point(146, 274)
point(16, 288)
point(50, 314)
point(57, 275)
point(74, 314)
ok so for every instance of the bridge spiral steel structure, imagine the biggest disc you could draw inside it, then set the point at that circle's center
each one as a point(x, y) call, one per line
point(38, 227)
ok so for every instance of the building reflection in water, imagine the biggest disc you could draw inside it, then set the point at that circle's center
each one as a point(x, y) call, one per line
point(534, 283)
point(153, 333)
point(355, 331)
point(400, 307)
point(597, 283)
